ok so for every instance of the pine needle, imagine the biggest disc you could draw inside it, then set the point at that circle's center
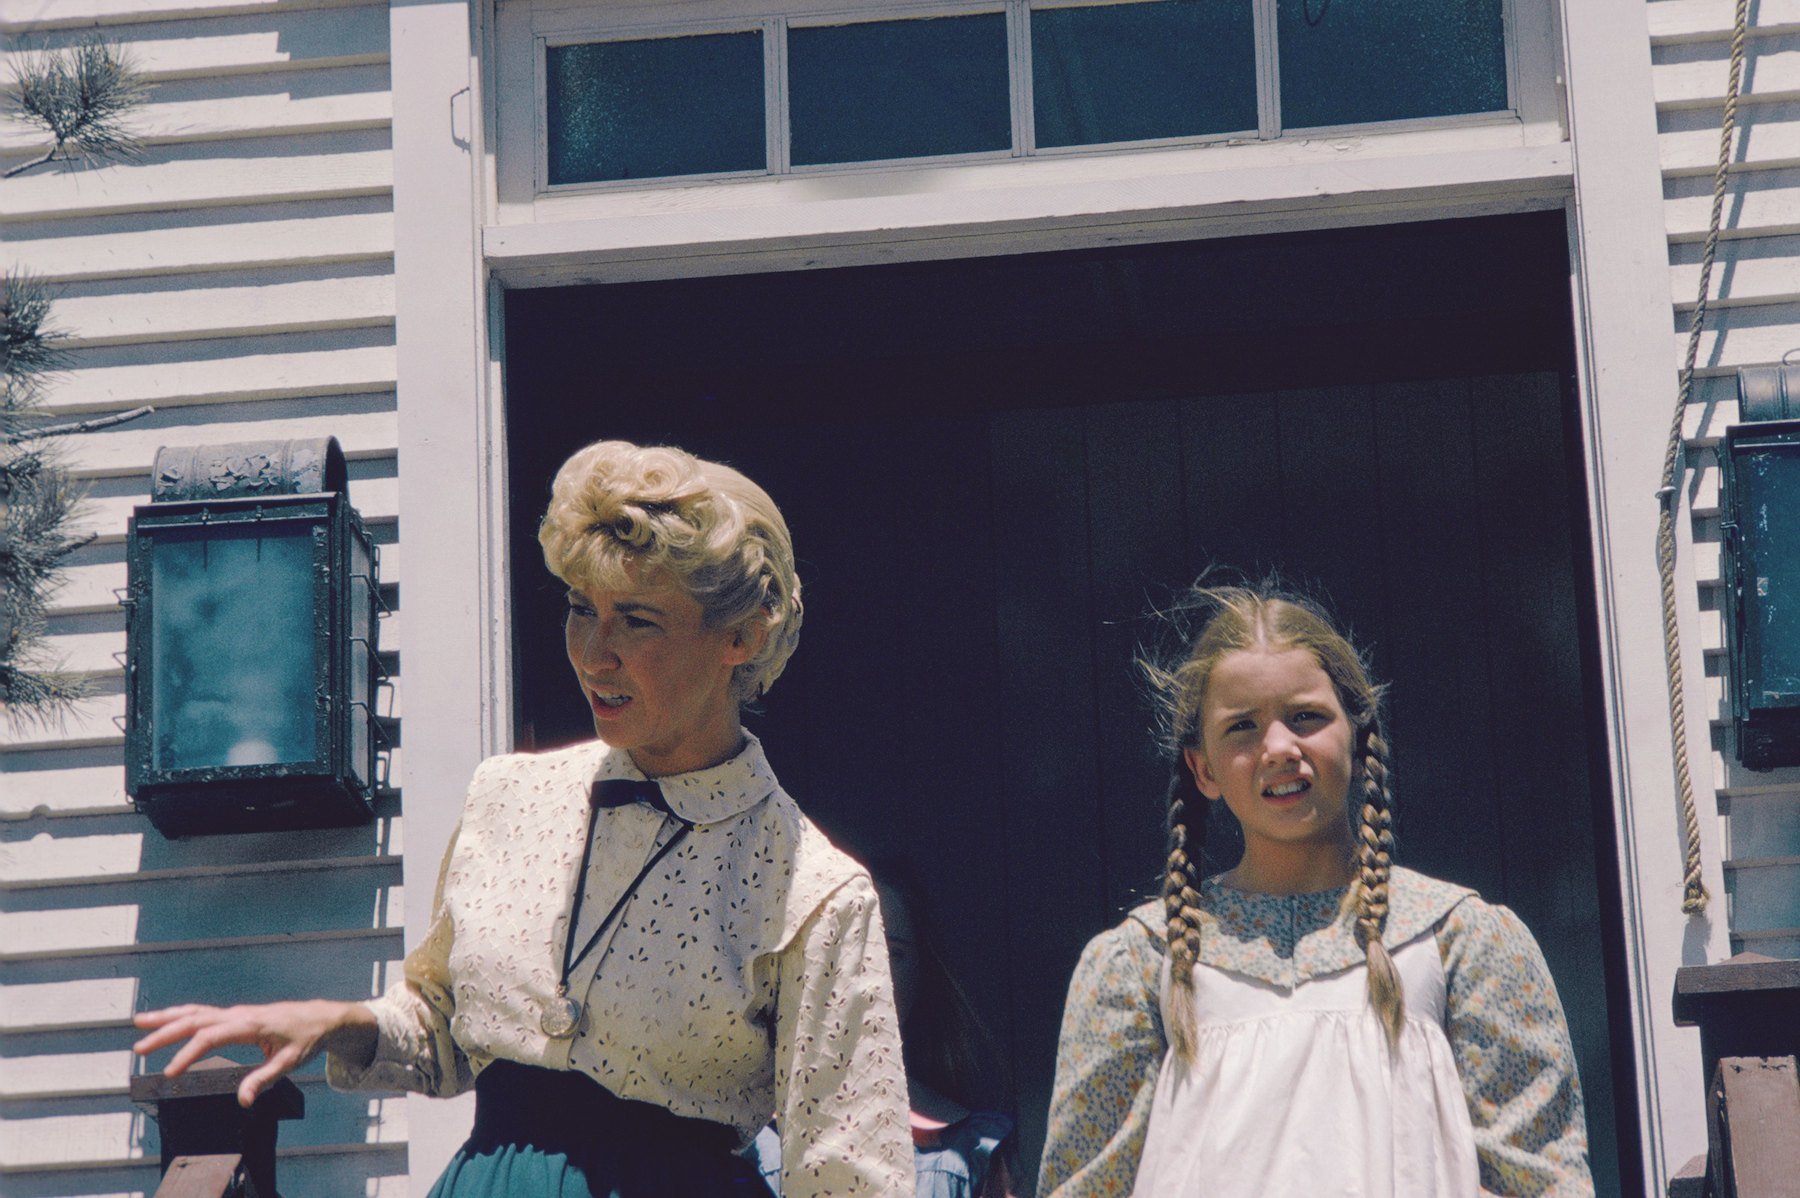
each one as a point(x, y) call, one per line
point(80, 95)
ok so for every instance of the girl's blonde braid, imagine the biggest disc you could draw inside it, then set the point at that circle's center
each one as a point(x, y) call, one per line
point(1181, 900)
point(1374, 863)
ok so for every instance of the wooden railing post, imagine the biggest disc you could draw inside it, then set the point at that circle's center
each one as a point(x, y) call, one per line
point(1748, 1012)
point(1753, 1128)
point(198, 1116)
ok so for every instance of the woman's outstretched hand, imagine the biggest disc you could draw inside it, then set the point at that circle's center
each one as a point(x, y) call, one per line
point(289, 1034)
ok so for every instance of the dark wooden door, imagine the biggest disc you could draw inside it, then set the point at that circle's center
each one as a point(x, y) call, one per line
point(983, 520)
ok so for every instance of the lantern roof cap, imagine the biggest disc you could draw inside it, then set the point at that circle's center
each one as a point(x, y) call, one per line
point(248, 470)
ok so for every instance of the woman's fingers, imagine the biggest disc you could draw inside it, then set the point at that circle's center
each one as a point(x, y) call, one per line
point(209, 1036)
point(166, 1028)
point(287, 1033)
point(283, 1061)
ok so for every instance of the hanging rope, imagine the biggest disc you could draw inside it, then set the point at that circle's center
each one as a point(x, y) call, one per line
point(1694, 895)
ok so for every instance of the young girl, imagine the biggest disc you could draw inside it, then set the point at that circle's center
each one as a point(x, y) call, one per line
point(1315, 1021)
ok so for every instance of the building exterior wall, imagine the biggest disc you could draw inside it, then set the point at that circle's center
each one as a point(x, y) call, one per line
point(1753, 318)
point(313, 244)
point(238, 275)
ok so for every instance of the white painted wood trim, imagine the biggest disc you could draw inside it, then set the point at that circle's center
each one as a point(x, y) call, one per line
point(451, 495)
point(1627, 389)
point(19, 16)
point(1011, 220)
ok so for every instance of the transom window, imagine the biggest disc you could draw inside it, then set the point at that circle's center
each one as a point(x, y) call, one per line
point(804, 91)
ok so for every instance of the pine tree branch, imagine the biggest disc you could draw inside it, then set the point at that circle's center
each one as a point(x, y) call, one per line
point(81, 96)
point(48, 156)
point(82, 426)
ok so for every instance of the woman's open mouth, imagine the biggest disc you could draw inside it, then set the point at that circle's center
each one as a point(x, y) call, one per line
point(1287, 790)
point(607, 704)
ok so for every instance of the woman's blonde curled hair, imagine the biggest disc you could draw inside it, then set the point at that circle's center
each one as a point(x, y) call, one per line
point(617, 509)
point(1234, 618)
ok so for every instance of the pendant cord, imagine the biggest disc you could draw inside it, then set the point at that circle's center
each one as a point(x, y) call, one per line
point(571, 959)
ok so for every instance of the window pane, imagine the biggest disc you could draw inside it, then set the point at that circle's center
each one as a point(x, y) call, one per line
point(898, 89)
point(1128, 72)
point(1351, 61)
point(232, 647)
point(650, 109)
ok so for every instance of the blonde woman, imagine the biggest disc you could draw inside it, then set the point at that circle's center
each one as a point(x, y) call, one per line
point(1315, 1020)
point(641, 949)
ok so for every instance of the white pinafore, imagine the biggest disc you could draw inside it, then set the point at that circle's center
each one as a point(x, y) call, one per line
point(1293, 1091)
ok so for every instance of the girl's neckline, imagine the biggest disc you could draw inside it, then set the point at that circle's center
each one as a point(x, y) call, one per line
point(1218, 882)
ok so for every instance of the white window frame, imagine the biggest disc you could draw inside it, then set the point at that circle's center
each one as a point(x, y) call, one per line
point(642, 20)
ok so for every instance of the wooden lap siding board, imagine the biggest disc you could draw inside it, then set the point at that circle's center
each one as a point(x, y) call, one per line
point(1752, 319)
point(239, 275)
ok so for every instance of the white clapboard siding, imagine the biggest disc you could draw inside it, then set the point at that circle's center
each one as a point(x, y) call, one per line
point(53, 852)
point(1689, 20)
point(1753, 318)
point(288, 366)
point(91, 1002)
point(237, 275)
point(1761, 203)
point(366, 1170)
point(1694, 73)
point(304, 232)
point(157, 915)
point(1768, 136)
point(266, 37)
point(1743, 336)
point(377, 501)
point(19, 16)
point(365, 425)
point(109, 1129)
point(66, 1075)
point(96, 789)
point(303, 166)
point(1758, 270)
point(243, 303)
point(237, 106)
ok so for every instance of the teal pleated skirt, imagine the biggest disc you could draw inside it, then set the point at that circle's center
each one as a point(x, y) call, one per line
point(547, 1133)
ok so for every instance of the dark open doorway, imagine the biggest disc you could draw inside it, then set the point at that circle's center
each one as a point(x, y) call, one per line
point(993, 467)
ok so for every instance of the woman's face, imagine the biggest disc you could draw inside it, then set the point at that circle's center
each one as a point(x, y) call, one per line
point(656, 678)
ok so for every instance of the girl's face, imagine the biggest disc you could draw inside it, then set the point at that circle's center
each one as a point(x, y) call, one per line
point(656, 678)
point(1276, 748)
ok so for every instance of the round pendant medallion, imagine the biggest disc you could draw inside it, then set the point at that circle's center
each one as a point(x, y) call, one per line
point(562, 1015)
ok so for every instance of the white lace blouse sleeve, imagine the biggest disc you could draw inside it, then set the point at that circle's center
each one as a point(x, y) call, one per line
point(414, 1049)
point(840, 1087)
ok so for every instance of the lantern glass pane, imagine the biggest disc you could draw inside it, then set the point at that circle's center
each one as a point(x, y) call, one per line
point(1346, 62)
point(1132, 72)
point(899, 89)
point(232, 657)
point(655, 108)
point(1769, 522)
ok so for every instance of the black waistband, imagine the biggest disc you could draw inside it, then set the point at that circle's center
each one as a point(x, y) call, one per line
point(562, 1110)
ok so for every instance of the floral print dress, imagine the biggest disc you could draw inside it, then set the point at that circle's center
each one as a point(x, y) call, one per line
point(1279, 978)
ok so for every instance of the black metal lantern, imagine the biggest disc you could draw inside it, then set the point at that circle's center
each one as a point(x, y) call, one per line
point(251, 642)
point(1759, 462)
